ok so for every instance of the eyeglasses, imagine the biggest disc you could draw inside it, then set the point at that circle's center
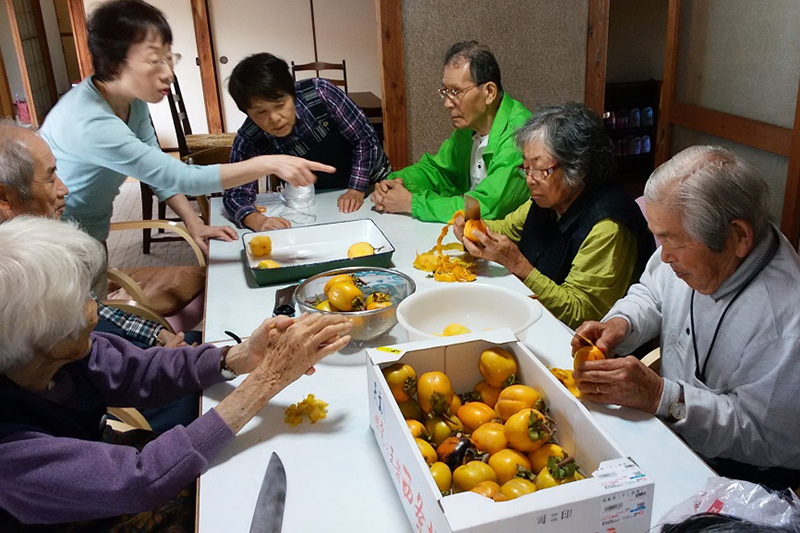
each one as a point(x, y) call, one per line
point(536, 174)
point(455, 95)
point(168, 60)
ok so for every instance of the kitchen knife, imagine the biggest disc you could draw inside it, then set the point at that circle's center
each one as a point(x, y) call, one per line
point(472, 208)
point(268, 516)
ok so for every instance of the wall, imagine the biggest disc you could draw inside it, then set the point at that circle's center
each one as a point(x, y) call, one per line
point(741, 57)
point(636, 40)
point(539, 44)
point(54, 46)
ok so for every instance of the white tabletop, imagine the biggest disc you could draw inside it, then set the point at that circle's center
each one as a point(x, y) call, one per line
point(336, 476)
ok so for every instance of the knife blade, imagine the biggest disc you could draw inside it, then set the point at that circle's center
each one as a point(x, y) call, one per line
point(472, 208)
point(268, 516)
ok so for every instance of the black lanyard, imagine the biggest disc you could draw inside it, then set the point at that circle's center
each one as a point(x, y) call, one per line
point(763, 261)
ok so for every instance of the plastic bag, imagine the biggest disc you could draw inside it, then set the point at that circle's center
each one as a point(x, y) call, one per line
point(741, 499)
point(23, 115)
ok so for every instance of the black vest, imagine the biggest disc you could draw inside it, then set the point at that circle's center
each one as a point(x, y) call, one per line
point(550, 244)
point(329, 146)
point(23, 410)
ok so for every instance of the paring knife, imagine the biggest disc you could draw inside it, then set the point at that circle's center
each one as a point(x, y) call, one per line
point(472, 208)
point(268, 516)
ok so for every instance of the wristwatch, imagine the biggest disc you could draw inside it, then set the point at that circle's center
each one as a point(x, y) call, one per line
point(226, 372)
point(677, 411)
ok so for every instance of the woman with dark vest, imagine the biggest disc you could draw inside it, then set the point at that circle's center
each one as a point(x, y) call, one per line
point(310, 117)
point(580, 242)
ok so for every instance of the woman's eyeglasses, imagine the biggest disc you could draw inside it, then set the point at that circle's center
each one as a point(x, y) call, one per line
point(536, 174)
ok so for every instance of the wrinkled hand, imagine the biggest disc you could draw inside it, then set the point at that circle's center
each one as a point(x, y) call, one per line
point(394, 199)
point(170, 340)
point(295, 170)
point(624, 381)
point(350, 201)
point(289, 353)
point(606, 335)
point(500, 249)
point(202, 233)
point(383, 186)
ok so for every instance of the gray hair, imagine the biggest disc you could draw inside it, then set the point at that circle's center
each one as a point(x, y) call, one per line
point(46, 272)
point(16, 163)
point(575, 137)
point(711, 186)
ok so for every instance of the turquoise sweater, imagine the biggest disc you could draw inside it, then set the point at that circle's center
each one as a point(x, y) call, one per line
point(95, 151)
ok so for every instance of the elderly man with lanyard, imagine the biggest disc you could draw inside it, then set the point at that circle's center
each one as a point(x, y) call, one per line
point(480, 157)
point(722, 294)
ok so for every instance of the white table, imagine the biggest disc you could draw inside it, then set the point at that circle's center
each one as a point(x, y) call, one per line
point(336, 476)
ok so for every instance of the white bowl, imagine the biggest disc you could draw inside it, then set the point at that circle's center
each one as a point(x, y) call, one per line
point(477, 306)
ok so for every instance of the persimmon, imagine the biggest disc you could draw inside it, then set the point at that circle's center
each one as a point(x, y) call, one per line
point(471, 226)
point(587, 353)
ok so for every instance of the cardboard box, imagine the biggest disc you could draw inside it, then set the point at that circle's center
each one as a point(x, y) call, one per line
point(617, 498)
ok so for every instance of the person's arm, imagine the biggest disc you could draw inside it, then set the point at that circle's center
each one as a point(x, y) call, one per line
point(239, 201)
point(600, 274)
point(356, 129)
point(136, 328)
point(199, 231)
point(511, 226)
point(97, 480)
point(641, 306)
point(111, 144)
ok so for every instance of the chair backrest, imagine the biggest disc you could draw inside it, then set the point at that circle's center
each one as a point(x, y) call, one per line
point(317, 66)
point(180, 118)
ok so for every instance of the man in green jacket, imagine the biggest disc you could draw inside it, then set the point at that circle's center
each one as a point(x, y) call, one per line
point(480, 156)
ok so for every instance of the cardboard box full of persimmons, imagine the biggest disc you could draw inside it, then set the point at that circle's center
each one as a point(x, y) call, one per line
point(468, 453)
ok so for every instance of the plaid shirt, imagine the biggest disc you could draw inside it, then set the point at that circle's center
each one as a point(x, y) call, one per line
point(369, 163)
point(135, 328)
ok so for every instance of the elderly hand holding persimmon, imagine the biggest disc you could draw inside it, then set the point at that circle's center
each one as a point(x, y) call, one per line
point(624, 381)
point(500, 249)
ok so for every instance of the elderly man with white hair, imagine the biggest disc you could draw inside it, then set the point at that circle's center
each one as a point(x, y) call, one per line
point(722, 294)
point(60, 462)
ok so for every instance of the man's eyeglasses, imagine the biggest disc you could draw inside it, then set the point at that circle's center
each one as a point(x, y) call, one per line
point(536, 174)
point(454, 95)
point(168, 60)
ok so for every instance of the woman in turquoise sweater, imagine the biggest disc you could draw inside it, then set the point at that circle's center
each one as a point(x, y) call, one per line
point(100, 131)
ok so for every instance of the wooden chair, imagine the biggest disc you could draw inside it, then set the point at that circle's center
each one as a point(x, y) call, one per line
point(317, 66)
point(173, 292)
point(653, 360)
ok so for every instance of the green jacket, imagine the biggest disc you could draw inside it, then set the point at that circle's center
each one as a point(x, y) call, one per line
point(438, 182)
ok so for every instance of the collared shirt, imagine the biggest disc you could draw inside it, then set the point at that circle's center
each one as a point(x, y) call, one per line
point(600, 274)
point(477, 166)
point(746, 409)
point(135, 328)
point(252, 141)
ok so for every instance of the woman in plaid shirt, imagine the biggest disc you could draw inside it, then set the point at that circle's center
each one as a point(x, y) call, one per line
point(312, 119)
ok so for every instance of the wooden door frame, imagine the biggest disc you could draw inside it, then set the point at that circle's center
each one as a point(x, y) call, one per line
point(6, 102)
point(761, 135)
point(23, 66)
point(393, 81)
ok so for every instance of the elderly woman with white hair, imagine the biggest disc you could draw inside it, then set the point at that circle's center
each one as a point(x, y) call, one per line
point(57, 379)
point(580, 242)
point(722, 295)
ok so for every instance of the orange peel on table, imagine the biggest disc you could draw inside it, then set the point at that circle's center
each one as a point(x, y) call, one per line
point(310, 406)
point(445, 268)
point(565, 377)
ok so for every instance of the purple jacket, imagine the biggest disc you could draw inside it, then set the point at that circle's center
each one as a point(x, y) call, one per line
point(48, 479)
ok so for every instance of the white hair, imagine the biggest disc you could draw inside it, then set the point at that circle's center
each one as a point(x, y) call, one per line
point(711, 186)
point(16, 163)
point(46, 272)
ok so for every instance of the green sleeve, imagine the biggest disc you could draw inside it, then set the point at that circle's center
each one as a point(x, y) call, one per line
point(512, 225)
point(600, 275)
point(439, 171)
